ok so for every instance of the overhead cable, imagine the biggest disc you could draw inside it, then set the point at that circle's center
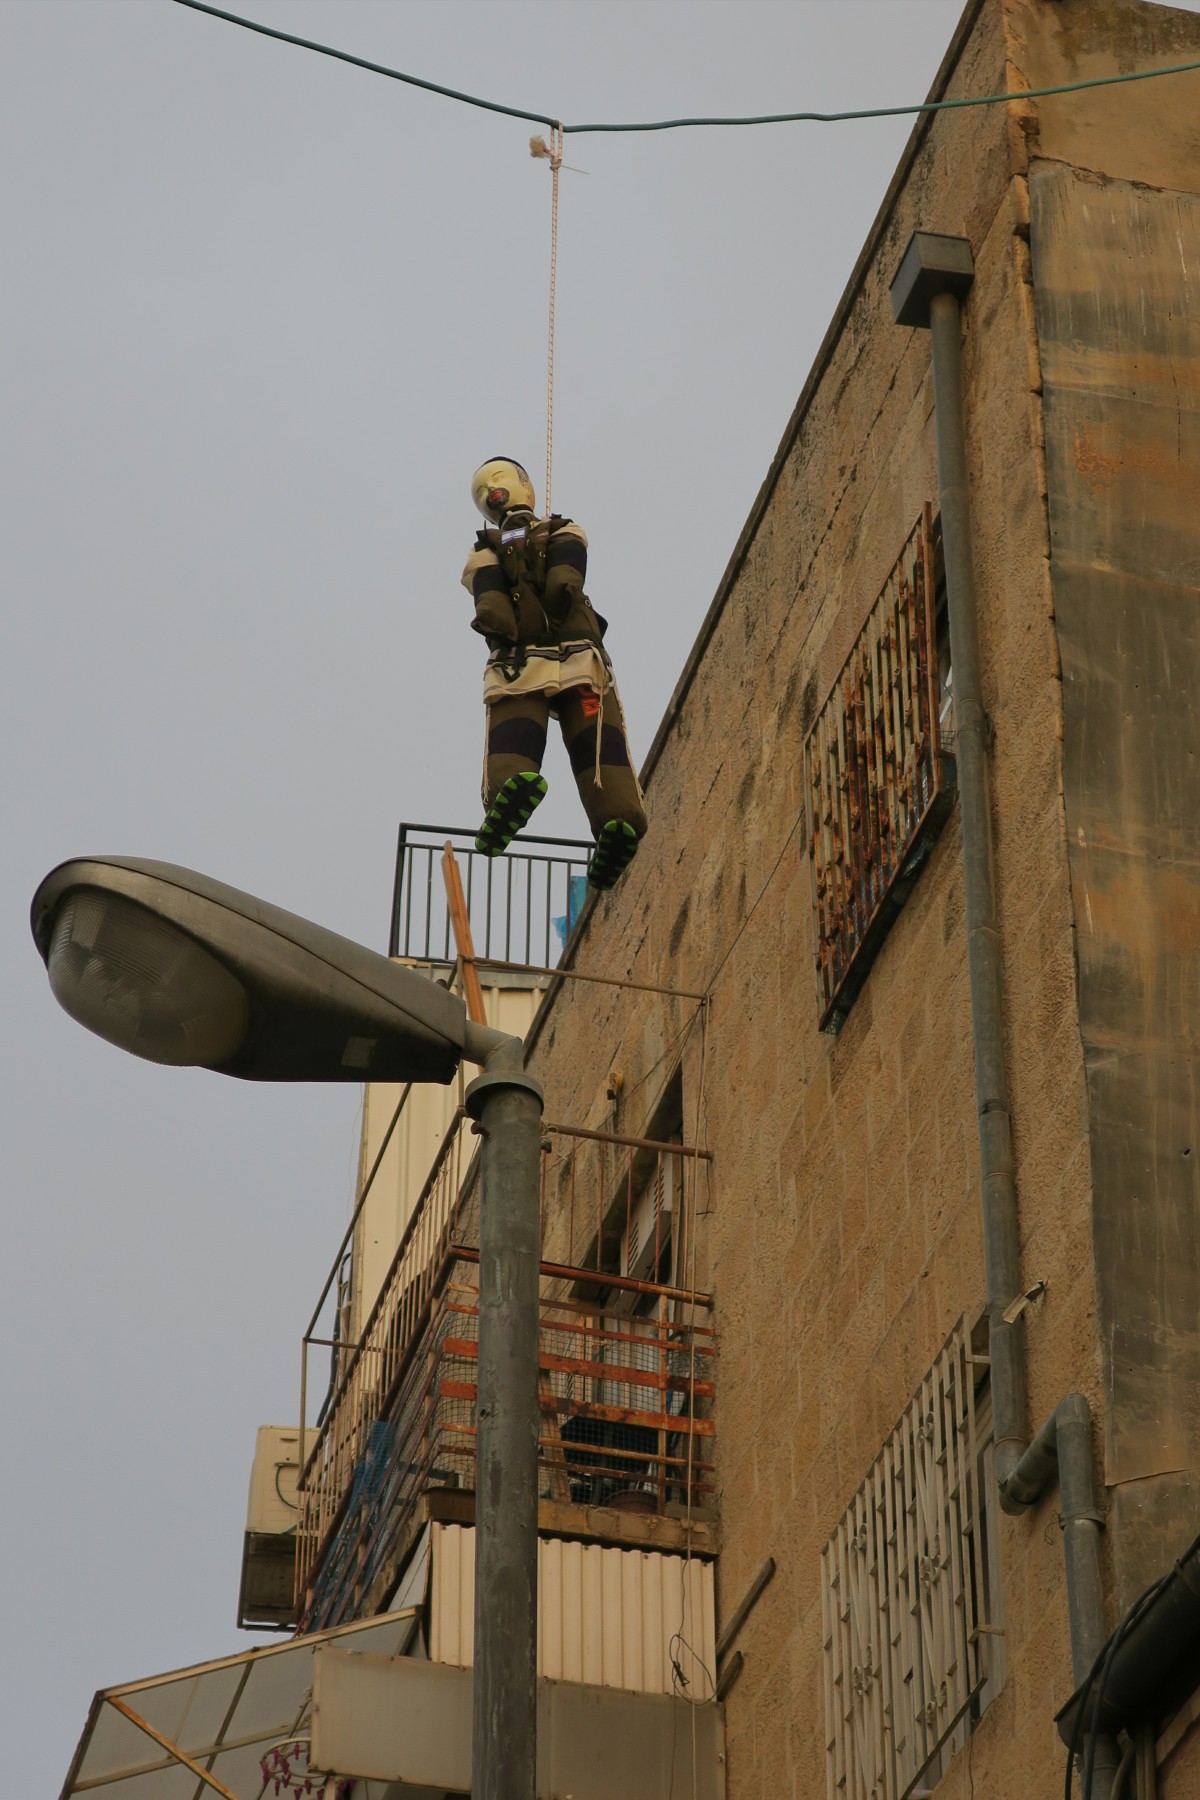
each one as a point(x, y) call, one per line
point(361, 62)
point(790, 118)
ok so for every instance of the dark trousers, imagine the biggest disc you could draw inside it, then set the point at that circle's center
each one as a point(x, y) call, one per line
point(516, 743)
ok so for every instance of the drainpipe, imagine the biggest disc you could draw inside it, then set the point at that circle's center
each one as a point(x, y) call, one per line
point(933, 277)
point(935, 274)
point(1062, 1450)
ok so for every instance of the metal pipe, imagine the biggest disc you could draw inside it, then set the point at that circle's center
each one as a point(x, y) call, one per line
point(641, 987)
point(1001, 1242)
point(1063, 1446)
point(507, 1105)
point(630, 1143)
point(626, 1284)
point(1062, 1450)
point(482, 1043)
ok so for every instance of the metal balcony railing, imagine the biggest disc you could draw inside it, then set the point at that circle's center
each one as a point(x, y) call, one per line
point(624, 1423)
point(522, 905)
point(625, 1366)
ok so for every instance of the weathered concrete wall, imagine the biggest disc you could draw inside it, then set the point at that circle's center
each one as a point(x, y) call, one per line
point(1137, 131)
point(1117, 270)
point(841, 1230)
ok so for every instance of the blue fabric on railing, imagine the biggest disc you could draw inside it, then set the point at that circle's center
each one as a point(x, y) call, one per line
point(365, 1486)
point(564, 923)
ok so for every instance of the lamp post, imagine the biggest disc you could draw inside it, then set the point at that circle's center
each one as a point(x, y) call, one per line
point(180, 969)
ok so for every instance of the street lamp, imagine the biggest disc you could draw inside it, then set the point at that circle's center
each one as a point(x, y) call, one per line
point(180, 969)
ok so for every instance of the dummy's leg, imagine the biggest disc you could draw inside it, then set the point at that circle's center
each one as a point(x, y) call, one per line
point(513, 784)
point(614, 806)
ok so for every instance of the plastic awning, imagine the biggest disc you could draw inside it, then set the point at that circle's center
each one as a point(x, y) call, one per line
point(203, 1731)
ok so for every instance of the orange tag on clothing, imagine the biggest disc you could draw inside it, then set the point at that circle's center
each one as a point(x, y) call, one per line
point(590, 703)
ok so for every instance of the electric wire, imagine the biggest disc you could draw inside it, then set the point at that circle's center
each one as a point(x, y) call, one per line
point(758, 899)
point(684, 124)
point(892, 112)
point(361, 62)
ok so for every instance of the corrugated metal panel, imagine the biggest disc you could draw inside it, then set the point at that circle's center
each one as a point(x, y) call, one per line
point(606, 1617)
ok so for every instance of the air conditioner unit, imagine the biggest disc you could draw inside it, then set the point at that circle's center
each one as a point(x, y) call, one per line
point(649, 1225)
point(269, 1546)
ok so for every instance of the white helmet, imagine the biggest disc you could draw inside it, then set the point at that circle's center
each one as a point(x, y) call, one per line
point(498, 486)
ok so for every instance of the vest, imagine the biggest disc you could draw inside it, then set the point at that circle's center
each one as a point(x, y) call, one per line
point(521, 550)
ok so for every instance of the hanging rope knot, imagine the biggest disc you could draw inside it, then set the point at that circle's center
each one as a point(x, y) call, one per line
point(552, 151)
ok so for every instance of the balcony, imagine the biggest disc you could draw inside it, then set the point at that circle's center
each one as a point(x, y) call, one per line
point(625, 1375)
point(522, 906)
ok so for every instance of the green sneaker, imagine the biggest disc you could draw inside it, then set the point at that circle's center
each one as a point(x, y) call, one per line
point(512, 808)
point(616, 847)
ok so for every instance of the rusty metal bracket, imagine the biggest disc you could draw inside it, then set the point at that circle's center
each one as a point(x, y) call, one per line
point(622, 981)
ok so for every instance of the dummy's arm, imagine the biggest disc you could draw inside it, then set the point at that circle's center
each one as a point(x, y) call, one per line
point(566, 568)
point(484, 580)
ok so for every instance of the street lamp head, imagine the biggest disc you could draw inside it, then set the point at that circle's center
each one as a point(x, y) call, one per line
point(180, 969)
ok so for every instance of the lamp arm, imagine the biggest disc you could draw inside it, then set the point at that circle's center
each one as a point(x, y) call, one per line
point(496, 1051)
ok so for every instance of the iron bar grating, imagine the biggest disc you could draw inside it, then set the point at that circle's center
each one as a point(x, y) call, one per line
point(905, 1593)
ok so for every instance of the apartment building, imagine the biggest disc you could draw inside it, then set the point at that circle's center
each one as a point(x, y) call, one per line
point(870, 1320)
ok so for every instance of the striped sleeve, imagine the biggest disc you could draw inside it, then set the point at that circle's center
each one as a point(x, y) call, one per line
point(566, 568)
point(483, 574)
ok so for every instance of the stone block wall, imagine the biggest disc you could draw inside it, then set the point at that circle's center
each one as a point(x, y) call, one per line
point(840, 1228)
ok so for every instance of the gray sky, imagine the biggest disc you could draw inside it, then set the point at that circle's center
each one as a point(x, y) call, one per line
point(262, 316)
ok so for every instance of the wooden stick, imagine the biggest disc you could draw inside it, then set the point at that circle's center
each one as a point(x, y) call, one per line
point(464, 943)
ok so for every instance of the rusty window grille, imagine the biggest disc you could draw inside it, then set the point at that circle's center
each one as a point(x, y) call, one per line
point(879, 777)
point(910, 1594)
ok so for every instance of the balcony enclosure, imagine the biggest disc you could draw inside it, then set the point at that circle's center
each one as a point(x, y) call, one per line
point(388, 1387)
point(625, 1374)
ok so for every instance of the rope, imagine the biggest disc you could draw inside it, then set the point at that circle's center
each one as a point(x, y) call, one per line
point(792, 118)
point(553, 152)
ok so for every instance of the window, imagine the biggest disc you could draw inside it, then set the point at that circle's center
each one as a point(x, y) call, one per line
point(879, 781)
point(910, 1593)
